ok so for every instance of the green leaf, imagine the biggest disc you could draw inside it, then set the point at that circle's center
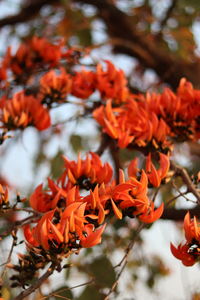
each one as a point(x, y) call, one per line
point(85, 37)
point(91, 293)
point(103, 271)
point(76, 142)
point(57, 165)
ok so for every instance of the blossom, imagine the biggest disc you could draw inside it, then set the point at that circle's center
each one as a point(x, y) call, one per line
point(3, 195)
point(189, 253)
point(182, 253)
point(155, 176)
point(87, 173)
point(54, 196)
point(54, 87)
point(83, 84)
point(126, 198)
point(112, 83)
point(191, 228)
point(64, 230)
point(132, 124)
point(22, 111)
point(32, 54)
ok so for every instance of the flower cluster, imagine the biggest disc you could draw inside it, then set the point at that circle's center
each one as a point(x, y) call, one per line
point(153, 120)
point(22, 111)
point(72, 211)
point(189, 253)
point(76, 205)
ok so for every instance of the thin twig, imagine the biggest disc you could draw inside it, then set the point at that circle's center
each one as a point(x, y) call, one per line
point(124, 261)
point(70, 288)
point(9, 255)
point(186, 179)
point(182, 194)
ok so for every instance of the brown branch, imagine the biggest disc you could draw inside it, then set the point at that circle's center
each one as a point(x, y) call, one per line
point(27, 13)
point(37, 284)
point(179, 171)
point(127, 40)
point(179, 214)
point(130, 41)
point(124, 261)
point(105, 140)
point(168, 13)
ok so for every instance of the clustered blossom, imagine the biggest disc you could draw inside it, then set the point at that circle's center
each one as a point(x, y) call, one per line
point(153, 120)
point(72, 219)
point(189, 253)
point(22, 111)
point(72, 211)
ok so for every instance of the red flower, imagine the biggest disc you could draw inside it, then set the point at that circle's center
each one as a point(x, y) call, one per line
point(191, 228)
point(182, 253)
point(22, 111)
point(64, 230)
point(32, 54)
point(152, 215)
point(155, 176)
point(112, 83)
point(132, 124)
point(87, 173)
point(54, 87)
point(45, 200)
point(3, 195)
point(83, 84)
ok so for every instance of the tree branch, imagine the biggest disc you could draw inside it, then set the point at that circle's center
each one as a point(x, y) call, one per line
point(37, 284)
point(27, 12)
point(179, 171)
point(126, 39)
point(124, 261)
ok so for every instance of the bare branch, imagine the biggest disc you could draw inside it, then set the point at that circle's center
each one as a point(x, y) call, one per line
point(179, 171)
point(124, 261)
point(168, 13)
point(27, 13)
point(37, 284)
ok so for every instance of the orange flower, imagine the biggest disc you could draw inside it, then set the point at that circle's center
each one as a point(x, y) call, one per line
point(83, 84)
point(92, 238)
point(64, 230)
point(48, 52)
point(192, 229)
point(112, 83)
point(129, 198)
point(152, 215)
point(22, 111)
point(54, 87)
point(45, 200)
point(189, 253)
point(180, 111)
point(182, 253)
point(155, 176)
point(87, 173)
point(3, 195)
point(132, 124)
point(32, 54)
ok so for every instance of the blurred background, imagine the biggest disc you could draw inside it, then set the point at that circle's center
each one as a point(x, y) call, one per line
point(156, 43)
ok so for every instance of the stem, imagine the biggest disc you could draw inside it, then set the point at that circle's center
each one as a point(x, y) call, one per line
point(37, 284)
point(186, 179)
point(124, 261)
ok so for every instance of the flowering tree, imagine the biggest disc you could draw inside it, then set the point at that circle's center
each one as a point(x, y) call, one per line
point(89, 200)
